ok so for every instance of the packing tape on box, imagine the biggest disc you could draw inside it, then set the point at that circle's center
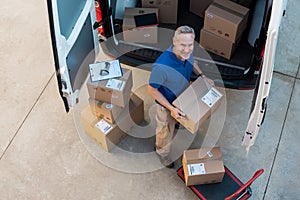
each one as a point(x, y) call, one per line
point(228, 9)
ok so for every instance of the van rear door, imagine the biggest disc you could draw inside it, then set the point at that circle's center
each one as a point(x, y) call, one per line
point(74, 42)
point(264, 83)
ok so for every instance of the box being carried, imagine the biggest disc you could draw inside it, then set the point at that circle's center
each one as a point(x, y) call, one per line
point(109, 135)
point(115, 91)
point(198, 101)
point(140, 25)
point(203, 166)
point(226, 19)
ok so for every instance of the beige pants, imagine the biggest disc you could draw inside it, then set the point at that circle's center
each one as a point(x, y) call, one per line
point(165, 125)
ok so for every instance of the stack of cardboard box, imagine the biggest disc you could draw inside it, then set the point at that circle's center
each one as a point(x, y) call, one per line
point(224, 23)
point(113, 110)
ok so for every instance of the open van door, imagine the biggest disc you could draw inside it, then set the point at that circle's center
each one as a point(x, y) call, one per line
point(264, 82)
point(75, 44)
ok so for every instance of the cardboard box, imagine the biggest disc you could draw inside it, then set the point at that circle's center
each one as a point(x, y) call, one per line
point(167, 9)
point(115, 91)
point(107, 111)
point(145, 34)
point(198, 102)
point(203, 166)
point(226, 19)
point(107, 138)
point(217, 45)
point(109, 135)
point(198, 7)
point(132, 114)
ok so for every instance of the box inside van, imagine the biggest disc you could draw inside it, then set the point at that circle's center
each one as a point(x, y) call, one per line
point(232, 61)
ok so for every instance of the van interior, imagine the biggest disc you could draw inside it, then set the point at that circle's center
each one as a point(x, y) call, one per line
point(239, 70)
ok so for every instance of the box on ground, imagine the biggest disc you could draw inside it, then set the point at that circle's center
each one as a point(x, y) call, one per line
point(107, 111)
point(226, 19)
point(109, 135)
point(167, 9)
point(217, 45)
point(132, 114)
point(115, 91)
point(198, 7)
point(144, 34)
point(203, 166)
point(198, 102)
point(107, 138)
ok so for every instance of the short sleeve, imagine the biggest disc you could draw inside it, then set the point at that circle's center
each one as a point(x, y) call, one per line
point(157, 76)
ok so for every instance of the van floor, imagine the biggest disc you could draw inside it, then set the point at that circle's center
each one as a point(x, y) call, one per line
point(241, 58)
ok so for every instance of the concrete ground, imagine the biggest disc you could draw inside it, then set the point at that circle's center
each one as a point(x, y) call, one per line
point(45, 155)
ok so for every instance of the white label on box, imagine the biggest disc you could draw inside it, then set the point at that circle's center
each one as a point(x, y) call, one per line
point(115, 84)
point(114, 96)
point(103, 126)
point(211, 97)
point(209, 153)
point(196, 169)
point(210, 15)
point(109, 106)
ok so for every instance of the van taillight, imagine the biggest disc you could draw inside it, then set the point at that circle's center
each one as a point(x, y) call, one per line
point(99, 17)
point(261, 55)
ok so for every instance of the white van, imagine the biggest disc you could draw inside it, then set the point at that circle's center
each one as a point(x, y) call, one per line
point(77, 31)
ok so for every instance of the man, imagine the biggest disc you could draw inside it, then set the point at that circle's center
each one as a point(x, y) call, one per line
point(170, 76)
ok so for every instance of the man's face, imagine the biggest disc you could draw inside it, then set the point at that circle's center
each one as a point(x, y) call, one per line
point(183, 45)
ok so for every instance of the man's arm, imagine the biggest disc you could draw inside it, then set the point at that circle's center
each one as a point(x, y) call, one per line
point(199, 72)
point(154, 92)
point(197, 69)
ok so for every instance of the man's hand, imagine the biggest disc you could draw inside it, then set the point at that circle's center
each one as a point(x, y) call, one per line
point(177, 113)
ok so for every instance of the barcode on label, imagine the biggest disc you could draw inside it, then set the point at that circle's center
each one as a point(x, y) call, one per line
point(106, 128)
point(209, 153)
point(115, 84)
point(211, 97)
point(195, 169)
point(119, 86)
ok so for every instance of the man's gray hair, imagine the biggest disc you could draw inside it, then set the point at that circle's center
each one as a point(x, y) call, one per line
point(183, 30)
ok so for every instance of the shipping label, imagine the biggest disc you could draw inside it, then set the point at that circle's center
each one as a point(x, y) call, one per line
point(211, 97)
point(196, 169)
point(103, 126)
point(115, 84)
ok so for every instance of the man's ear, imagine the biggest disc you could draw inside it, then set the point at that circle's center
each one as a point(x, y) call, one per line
point(174, 41)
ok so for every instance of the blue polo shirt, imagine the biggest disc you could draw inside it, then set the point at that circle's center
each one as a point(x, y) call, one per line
point(170, 75)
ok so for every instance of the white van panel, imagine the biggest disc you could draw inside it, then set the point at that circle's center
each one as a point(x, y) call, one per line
point(257, 115)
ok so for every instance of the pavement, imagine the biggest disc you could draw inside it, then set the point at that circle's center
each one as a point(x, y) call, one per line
point(44, 154)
